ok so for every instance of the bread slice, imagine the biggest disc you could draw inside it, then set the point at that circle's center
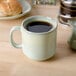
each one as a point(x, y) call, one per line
point(10, 7)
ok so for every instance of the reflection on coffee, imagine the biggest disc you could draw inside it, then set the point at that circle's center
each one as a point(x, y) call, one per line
point(38, 26)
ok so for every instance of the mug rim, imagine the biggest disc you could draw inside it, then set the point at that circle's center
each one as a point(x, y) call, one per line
point(39, 16)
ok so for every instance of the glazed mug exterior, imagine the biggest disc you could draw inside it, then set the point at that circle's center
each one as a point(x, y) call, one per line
point(36, 46)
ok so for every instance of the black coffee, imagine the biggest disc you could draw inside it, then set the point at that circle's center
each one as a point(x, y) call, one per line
point(38, 26)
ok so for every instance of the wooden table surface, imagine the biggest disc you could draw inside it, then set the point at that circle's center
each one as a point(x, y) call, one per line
point(14, 63)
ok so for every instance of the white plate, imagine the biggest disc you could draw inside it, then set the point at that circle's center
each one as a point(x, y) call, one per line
point(26, 9)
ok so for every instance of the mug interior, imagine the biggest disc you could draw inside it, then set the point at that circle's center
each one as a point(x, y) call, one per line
point(52, 22)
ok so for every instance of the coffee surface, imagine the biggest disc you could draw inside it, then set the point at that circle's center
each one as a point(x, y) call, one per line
point(38, 26)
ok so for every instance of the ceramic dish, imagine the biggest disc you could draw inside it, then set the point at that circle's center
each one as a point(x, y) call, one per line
point(26, 9)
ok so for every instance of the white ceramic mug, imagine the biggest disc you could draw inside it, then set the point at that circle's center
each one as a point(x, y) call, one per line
point(37, 46)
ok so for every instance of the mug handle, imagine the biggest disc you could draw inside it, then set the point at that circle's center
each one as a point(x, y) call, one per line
point(62, 22)
point(15, 28)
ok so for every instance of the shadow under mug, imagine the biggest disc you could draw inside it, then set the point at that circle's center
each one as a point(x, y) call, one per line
point(36, 46)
